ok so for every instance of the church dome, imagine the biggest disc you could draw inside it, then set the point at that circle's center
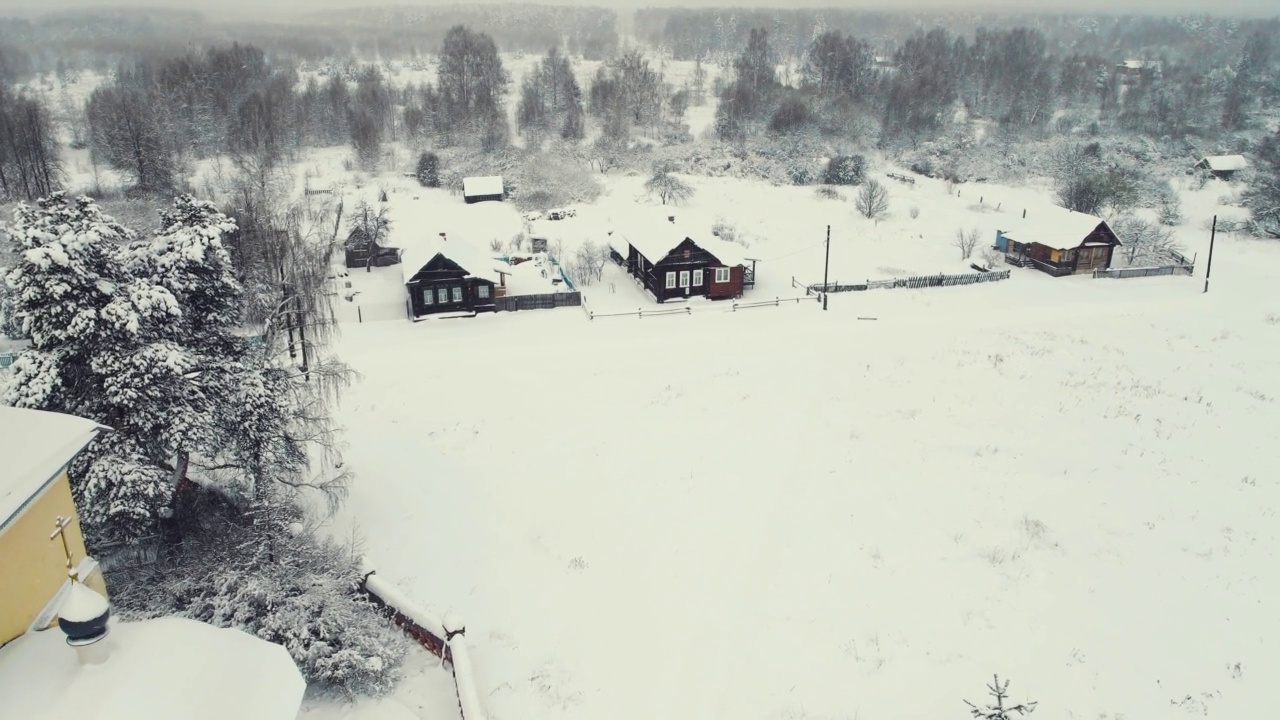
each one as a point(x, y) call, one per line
point(83, 615)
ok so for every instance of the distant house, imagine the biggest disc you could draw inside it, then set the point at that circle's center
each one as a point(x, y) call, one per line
point(1059, 242)
point(361, 252)
point(1131, 71)
point(451, 276)
point(1223, 167)
point(670, 264)
point(479, 189)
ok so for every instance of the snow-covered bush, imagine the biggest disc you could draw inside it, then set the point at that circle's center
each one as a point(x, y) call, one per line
point(254, 572)
point(547, 181)
point(723, 230)
point(845, 170)
point(826, 192)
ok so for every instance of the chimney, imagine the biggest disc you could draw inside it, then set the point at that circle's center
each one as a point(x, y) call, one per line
point(671, 219)
point(83, 616)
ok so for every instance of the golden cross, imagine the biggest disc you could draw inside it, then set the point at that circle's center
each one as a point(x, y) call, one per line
point(60, 530)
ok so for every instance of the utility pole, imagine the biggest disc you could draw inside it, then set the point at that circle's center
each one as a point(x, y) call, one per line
point(826, 264)
point(1209, 267)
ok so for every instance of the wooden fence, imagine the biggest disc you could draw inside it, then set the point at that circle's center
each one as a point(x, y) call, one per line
point(512, 303)
point(733, 306)
point(919, 281)
point(443, 637)
point(1125, 273)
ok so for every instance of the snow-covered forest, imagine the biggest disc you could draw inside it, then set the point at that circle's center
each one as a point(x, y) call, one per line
point(178, 191)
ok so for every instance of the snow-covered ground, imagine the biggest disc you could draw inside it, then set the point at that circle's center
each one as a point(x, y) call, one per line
point(783, 511)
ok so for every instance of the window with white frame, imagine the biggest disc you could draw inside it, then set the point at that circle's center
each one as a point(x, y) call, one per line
point(722, 274)
point(697, 278)
point(684, 278)
point(457, 294)
point(442, 295)
point(428, 296)
point(671, 280)
point(484, 292)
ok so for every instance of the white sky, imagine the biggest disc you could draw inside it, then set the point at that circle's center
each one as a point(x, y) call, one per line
point(284, 7)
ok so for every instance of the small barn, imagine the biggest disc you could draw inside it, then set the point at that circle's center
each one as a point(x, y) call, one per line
point(361, 252)
point(1223, 167)
point(670, 264)
point(1059, 242)
point(451, 276)
point(1130, 71)
point(480, 189)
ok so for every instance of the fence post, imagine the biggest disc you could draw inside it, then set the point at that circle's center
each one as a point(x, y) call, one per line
point(359, 314)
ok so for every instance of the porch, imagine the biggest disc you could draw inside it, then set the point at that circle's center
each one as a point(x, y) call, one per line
point(1023, 260)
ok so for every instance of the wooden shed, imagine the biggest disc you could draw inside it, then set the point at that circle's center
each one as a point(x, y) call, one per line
point(669, 263)
point(450, 276)
point(1058, 242)
point(481, 189)
point(1223, 167)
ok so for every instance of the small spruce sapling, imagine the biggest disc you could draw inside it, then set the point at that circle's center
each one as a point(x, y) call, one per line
point(998, 710)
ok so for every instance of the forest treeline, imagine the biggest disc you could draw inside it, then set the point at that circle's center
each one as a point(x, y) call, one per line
point(788, 85)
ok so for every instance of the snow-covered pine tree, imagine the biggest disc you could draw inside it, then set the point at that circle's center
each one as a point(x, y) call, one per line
point(92, 354)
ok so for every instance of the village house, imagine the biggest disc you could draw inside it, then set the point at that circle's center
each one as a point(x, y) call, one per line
point(1222, 167)
point(1131, 71)
point(481, 189)
point(92, 665)
point(362, 252)
point(451, 276)
point(1058, 242)
point(670, 264)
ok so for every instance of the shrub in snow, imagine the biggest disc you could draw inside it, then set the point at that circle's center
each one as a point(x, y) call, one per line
point(965, 242)
point(253, 571)
point(724, 230)
point(826, 192)
point(845, 170)
point(914, 212)
point(998, 709)
point(547, 181)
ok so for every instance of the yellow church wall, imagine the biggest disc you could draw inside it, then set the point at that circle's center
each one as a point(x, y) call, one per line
point(33, 567)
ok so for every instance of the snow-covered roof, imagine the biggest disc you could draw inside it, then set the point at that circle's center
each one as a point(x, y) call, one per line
point(476, 186)
point(652, 238)
point(619, 244)
point(655, 239)
point(470, 257)
point(727, 252)
point(163, 668)
point(1225, 163)
point(35, 446)
point(1053, 227)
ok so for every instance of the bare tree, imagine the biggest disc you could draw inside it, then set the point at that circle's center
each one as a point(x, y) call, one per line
point(872, 200)
point(990, 257)
point(967, 241)
point(588, 263)
point(997, 710)
point(667, 187)
point(1143, 242)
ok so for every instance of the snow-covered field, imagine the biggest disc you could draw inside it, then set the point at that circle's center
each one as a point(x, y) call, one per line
point(789, 512)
